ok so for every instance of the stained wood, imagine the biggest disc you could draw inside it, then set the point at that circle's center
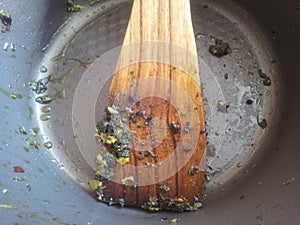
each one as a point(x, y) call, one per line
point(158, 65)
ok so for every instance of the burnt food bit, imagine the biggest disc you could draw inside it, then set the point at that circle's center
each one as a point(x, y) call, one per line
point(6, 21)
point(148, 119)
point(265, 77)
point(262, 123)
point(249, 101)
point(261, 74)
point(175, 127)
point(267, 81)
point(220, 48)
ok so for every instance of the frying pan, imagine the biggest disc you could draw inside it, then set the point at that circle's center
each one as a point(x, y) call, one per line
point(253, 160)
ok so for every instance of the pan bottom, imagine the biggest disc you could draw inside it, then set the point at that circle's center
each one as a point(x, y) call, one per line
point(82, 57)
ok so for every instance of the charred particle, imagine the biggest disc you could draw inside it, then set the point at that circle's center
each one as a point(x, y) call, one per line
point(209, 167)
point(221, 48)
point(262, 123)
point(175, 127)
point(6, 21)
point(261, 74)
point(203, 131)
point(163, 218)
point(249, 101)
point(267, 81)
point(148, 119)
point(226, 76)
point(141, 112)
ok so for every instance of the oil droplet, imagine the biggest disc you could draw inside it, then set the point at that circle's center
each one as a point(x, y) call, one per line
point(46, 109)
point(45, 117)
point(48, 144)
point(43, 69)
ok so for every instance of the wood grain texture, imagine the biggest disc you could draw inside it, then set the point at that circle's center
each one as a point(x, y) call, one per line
point(158, 65)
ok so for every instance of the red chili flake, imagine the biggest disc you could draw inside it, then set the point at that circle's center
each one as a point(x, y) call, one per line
point(18, 169)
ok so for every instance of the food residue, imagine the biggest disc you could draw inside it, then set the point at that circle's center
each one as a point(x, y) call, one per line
point(7, 206)
point(221, 48)
point(6, 21)
point(72, 7)
point(18, 169)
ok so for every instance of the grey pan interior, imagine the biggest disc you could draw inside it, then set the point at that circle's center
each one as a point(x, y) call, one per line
point(254, 172)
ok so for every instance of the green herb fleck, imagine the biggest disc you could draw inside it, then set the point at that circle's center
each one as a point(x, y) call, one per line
point(72, 7)
point(193, 170)
point(115, 134)
point(289, 181)
point(15, 96)
point(174, 220)
point(165, 188)
point(125, 180)
point(152, 205)
point(30, 143)
point(17, 178)
point(175, 127)
point(267, 81)
point(34, 131)
point(22, 130)
point(7, 206)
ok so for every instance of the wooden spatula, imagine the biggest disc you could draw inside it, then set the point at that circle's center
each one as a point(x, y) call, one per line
point(156, 84)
